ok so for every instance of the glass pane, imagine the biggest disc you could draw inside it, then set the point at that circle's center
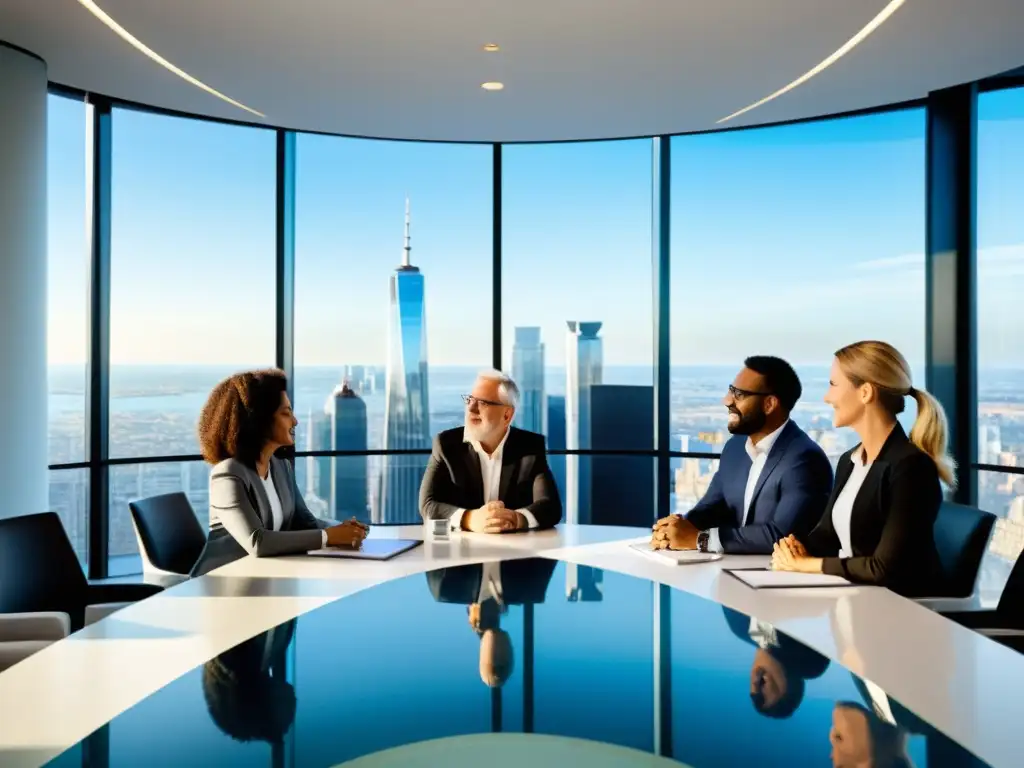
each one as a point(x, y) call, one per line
point(791, 241)
point(192, 272)
point(1000, 288)
point(129, 482)
point(1002, 494)
point(406, 330)
point(69, 498)
point(577, 215)
point(577, 298)
point(68, 277)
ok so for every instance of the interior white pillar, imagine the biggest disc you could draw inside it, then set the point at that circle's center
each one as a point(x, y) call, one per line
point(23, 385)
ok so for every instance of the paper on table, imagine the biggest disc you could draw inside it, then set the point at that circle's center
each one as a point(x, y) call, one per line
point(759, 578)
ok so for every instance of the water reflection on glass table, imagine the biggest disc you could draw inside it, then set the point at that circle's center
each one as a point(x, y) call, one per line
point(527, 663)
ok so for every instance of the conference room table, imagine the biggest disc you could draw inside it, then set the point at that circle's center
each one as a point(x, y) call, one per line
point(594, 653)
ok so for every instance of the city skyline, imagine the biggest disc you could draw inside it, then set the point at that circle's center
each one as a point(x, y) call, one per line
point(571, 213)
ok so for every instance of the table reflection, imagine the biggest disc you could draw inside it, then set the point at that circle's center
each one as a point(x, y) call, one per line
point(493, 647)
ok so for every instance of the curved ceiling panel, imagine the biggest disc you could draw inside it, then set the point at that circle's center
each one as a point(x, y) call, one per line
point(575, 69)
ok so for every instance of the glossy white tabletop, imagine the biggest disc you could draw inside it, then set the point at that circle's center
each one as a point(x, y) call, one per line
point(965, 685)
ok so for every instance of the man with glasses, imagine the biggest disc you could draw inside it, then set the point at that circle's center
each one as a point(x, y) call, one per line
point(772, 479)
point(488, 476)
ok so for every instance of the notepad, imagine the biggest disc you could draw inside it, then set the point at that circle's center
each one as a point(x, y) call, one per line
point(761, 578)
point(371, 549)
point(675, 556)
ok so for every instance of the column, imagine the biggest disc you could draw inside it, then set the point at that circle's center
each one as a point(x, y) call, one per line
point(23, 450)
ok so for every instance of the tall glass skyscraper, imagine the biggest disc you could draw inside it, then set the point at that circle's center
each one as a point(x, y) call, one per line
point(406, 410)
point(348, 486)
point(528, 372)
point(583, 369)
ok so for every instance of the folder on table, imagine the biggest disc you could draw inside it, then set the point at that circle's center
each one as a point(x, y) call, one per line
point(764, 578)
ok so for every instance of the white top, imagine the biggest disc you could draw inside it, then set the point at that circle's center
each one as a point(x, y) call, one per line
point(758, 458)
point(842, 511)
point(277, 513)
point(490, 471)
point(490, 583)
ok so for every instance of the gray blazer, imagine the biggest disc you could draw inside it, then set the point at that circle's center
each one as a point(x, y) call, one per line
point(241, 518)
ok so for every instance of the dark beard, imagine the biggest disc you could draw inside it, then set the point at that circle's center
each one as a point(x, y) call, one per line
point(748, 425)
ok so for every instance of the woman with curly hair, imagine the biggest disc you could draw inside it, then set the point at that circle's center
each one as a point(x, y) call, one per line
point(255, 507)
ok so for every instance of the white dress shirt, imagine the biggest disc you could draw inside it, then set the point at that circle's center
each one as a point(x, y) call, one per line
point(490, 471)
point(842, 510)
point(758, 458)
point(490, 583)
point(763, 634)
point(276, 513)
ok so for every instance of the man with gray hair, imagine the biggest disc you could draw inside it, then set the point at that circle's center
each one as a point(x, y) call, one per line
point(488, 476)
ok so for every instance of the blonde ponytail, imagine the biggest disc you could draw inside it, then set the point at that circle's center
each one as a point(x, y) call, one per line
point(930, 432)
point(881, 365)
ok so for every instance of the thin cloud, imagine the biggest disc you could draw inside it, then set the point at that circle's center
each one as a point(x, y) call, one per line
point(999, 260)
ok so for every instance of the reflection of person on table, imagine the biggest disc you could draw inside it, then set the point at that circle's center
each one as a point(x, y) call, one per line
point(781, 665)
point(245, 689)
point(772, 478)
point(255, 506)
point(878, 527)
point(488, 589)
point(488, 476)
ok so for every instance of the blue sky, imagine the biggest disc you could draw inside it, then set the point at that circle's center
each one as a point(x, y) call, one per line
point(789, 240)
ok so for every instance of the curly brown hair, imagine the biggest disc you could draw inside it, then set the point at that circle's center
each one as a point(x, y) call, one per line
point(238, 415)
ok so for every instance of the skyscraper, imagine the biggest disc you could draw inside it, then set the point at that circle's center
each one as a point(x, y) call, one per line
point(346, 413)
point(406, 411)
point(622, 487)
point(528, 372)
point(556, 441)
point(583, 369)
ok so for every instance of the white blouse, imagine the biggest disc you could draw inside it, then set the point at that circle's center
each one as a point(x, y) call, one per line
point(842, 511)
point(277, 514)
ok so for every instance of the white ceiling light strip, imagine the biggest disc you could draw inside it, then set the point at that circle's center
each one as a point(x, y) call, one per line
point(871, 26)
point(128, 37)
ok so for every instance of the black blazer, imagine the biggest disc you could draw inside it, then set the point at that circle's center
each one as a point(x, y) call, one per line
point(892, 523)
point(453, 479)
point(523, 582)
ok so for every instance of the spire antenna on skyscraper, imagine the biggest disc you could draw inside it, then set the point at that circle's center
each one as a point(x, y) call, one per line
point(407, 250)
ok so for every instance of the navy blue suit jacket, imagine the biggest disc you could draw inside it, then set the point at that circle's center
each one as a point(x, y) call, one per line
point(790, 496)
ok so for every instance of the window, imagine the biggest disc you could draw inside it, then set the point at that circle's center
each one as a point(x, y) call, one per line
point(1000, 323)
point(1002, 494)
point(68, 278)
point(400, 314)
point(69, 498)
point(791, 241)
point(192, 273)
point(577, 300)
point(129, 482)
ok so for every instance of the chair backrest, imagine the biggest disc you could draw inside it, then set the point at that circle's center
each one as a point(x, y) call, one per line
point(1011, 601)
point(170, 534)
point(39, 570)
point(961, 535)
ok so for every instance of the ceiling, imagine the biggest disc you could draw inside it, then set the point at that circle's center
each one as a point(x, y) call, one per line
point(573, 69)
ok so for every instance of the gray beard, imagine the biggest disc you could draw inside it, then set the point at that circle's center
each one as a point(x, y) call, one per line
point(479, 434)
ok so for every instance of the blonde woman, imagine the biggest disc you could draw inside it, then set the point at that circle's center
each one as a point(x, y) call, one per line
point(877, 528)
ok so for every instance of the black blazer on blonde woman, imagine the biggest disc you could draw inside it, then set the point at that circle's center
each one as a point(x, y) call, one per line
point(892, 522)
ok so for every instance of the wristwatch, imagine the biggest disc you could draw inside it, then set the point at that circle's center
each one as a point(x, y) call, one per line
point(703, 537)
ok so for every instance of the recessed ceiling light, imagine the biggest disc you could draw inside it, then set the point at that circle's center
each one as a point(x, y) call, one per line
point(129, 38)
point(492, 86)
point(871, 26)
point(492, 47)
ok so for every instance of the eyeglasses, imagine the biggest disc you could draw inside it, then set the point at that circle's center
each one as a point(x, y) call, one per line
point(470, 399)
point(740, 394)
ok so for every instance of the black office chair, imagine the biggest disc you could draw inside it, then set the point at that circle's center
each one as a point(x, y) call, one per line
point(170, 536)
point(1005, 624)
point(961, 535)
point(39, 571)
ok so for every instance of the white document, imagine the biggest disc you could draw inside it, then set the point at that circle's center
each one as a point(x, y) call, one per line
point(759, 578)
point(675, 556)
